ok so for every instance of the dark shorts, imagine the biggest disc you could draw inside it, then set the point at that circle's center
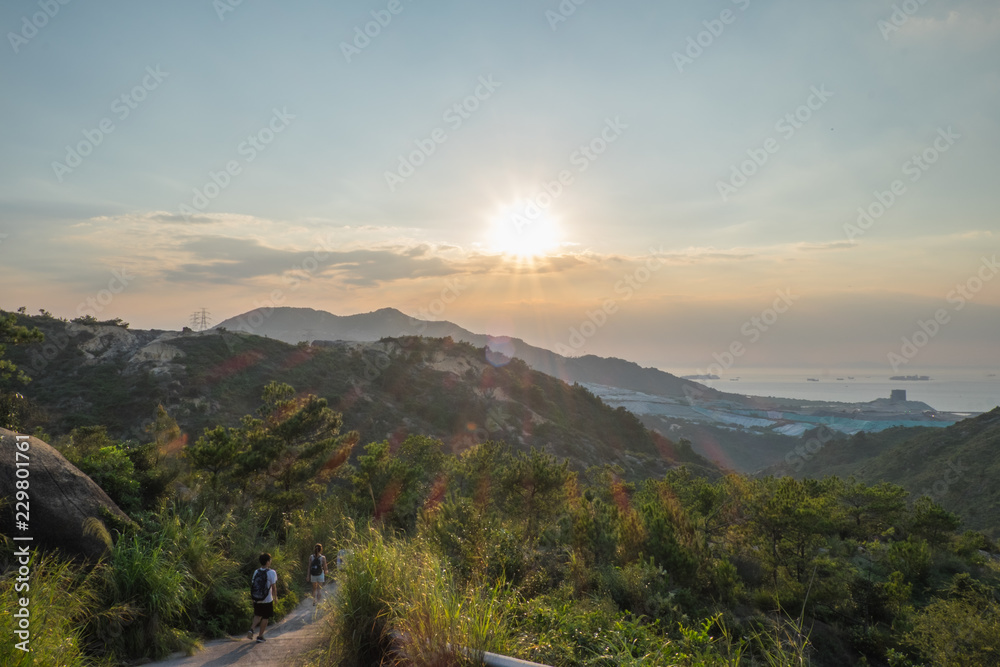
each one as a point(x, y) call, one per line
point(263, 609)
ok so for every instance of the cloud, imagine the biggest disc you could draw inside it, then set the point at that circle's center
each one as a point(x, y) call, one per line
point(227, 260)
point(971, 22)
point(709, 254)
point(829, 245)
point(177, 218)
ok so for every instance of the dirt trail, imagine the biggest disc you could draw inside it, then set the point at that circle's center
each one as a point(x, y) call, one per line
point(287, 642)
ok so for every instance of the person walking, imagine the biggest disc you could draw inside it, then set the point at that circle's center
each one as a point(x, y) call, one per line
point(264, 592)
point(316, 572)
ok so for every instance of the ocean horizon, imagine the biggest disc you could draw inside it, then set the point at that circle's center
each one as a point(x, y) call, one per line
point(948, 390)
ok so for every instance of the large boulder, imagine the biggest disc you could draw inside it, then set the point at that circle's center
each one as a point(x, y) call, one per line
point(61, 499)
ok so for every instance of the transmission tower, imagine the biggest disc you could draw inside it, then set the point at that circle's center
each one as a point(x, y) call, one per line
point(201, 320)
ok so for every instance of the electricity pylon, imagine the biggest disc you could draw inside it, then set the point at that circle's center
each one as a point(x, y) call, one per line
point(201, 320)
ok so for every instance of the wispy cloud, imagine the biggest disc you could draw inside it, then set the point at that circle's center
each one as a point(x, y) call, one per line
point(830, 245)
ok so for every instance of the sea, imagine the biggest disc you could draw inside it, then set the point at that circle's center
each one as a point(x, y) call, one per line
point(952, 390)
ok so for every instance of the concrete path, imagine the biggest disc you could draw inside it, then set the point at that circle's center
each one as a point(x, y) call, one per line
point(288, 641)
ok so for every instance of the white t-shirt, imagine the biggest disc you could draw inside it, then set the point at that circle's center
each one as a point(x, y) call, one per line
point(272, 578)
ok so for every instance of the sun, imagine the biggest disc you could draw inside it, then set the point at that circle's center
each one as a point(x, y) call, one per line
point(524, 230)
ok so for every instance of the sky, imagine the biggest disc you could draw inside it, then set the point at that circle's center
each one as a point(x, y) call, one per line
point(694, 186)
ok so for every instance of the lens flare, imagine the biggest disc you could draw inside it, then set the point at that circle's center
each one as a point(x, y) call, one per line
point(524, 231)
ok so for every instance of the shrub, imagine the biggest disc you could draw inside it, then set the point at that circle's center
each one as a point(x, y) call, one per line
point(361, 612)
point(963, 631)
point(443, 624)
point(221, 602)
point(150, 592)
point(558, 630)
point(61, 600)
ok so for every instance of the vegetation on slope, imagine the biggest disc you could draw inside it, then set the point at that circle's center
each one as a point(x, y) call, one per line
point(958, 467)
point(385, 390)
point(499, 547)
point(511, 550)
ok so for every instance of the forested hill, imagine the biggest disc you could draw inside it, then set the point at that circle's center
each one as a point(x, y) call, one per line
point(85, 374)
point(958, 466)
point(294, 325)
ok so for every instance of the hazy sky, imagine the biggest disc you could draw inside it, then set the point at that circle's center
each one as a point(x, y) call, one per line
point(634, 179)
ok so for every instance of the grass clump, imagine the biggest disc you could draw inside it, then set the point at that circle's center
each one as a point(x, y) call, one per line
point(396, 598)
point(362, 612)
point(60, 601)
point(152, 591)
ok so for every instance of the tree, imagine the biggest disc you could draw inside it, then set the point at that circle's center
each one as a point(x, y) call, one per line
point(14, 334)
point(792, 519)
point(538, 488)
point(123, 469)
point(481, 473)
point(933, 522)
point(395, 485)
point(13, 406)
point(289, 449)
point(874, 509)
point(215, 452)
point(671, 539)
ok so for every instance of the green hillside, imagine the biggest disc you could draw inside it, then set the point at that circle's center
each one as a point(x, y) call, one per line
point(958, 467)
point(86, 375)
point(537, 522)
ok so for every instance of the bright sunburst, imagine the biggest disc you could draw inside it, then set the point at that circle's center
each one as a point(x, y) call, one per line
point(524, 231)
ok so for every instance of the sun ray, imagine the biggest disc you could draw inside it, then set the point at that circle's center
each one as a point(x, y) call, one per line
point(524, 231)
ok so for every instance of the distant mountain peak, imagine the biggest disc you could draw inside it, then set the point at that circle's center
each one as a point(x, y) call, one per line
point(294, 325)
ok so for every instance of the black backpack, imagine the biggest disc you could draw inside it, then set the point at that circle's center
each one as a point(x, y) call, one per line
point(316, 566)
point(258, 585)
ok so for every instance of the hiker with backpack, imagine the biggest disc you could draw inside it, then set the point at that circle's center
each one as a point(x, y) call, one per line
point(316, 572)
point(263, 592)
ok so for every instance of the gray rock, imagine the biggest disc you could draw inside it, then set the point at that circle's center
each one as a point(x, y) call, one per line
point(61, 499)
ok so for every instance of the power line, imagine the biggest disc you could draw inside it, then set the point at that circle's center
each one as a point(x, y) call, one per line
point(201, 320)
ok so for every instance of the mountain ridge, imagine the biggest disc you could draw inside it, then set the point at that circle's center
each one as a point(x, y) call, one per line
point(105, 375)
point(392, 322)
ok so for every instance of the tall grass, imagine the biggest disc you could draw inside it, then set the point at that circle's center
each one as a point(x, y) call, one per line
point(443, 625)
point(154, 592)
point(398, 602)
point(60, 599)
point(361, 618)
point(221, 603)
